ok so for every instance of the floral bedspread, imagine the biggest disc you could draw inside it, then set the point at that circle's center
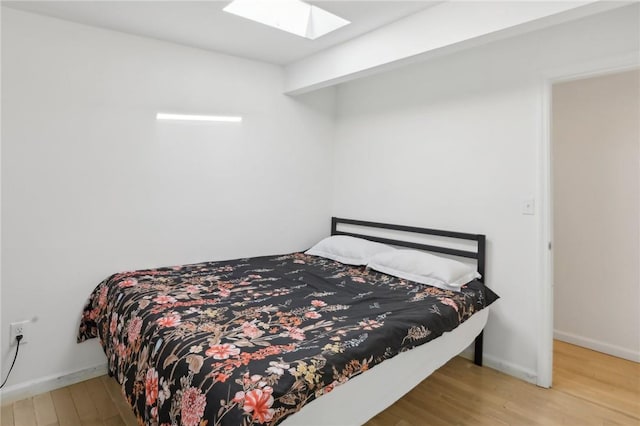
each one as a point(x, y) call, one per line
point(251, 341)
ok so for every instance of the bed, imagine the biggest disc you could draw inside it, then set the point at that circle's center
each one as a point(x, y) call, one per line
point(260, 340)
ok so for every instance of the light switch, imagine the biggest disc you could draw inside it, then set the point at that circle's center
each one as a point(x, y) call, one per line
point(528, 206)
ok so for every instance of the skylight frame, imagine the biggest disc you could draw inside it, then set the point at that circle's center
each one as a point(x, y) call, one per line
point(293, 16)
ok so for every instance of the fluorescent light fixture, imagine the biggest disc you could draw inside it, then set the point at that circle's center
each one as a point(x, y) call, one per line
point(191, 117)
point(293, 16)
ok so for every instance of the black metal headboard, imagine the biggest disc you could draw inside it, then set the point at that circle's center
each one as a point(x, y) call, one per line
point(478, 255)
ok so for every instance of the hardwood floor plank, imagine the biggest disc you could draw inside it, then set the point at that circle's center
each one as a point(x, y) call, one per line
point(605, 368)
point(114, 421)
point(413, 414)
point(101, 399)
point(597, 377)
point(92, 422)
point(486, 407)
point(65, 408)
point(23, 413)
point(114, 389)
point(87, 411)
point(44, 409)
point(606, 395)
point(7, 415)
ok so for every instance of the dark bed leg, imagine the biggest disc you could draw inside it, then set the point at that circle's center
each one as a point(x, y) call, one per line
point(477, 355)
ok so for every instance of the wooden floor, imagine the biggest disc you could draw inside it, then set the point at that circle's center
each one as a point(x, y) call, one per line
point(589, 388)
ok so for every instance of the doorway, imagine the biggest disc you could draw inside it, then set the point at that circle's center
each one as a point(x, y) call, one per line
point(595, 211)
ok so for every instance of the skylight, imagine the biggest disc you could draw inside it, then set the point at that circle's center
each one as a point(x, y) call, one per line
point(293, 16)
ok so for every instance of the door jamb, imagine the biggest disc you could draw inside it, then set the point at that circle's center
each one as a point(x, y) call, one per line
point(601, 67)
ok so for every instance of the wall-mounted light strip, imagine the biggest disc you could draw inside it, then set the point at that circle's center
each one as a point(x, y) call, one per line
point(192, 117)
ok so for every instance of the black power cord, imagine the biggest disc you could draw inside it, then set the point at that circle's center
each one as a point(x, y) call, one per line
point(18, 338)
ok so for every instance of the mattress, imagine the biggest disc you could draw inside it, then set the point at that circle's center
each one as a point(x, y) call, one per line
point(252, 341)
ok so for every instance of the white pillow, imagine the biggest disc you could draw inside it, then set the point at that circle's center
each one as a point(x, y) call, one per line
point(349, 250)
point(424, 268)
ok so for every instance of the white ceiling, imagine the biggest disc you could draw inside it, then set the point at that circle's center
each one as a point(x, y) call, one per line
point(203, 24)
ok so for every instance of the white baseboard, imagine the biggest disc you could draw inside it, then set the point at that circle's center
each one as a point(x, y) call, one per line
point(597, 345)
point(505, 367)
point(49, 383)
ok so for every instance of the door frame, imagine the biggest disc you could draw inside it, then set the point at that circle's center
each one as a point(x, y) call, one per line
point(604, 66)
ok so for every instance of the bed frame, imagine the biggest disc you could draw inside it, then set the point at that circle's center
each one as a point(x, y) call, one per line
point(478, 255)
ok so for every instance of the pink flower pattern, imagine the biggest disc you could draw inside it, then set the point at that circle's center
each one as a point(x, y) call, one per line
point(151, 386)
point(163, 298)
point(192, 406)
point(296, 333)
point(258, 402)
point(113, 325)
point(170, 320)
point(447, 301)
point(223, 351)
point(368, 324)
point(251, 331)
point(128, 282)
point(102, 298)
point(312, 315)
point(133, 330)
point(238, 397)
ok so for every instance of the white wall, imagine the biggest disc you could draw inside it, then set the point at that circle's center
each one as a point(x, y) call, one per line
point(596, 174)
point(92, 184)
point(455, 143)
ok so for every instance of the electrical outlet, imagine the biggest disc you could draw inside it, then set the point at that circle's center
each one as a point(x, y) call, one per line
point(17, 329)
